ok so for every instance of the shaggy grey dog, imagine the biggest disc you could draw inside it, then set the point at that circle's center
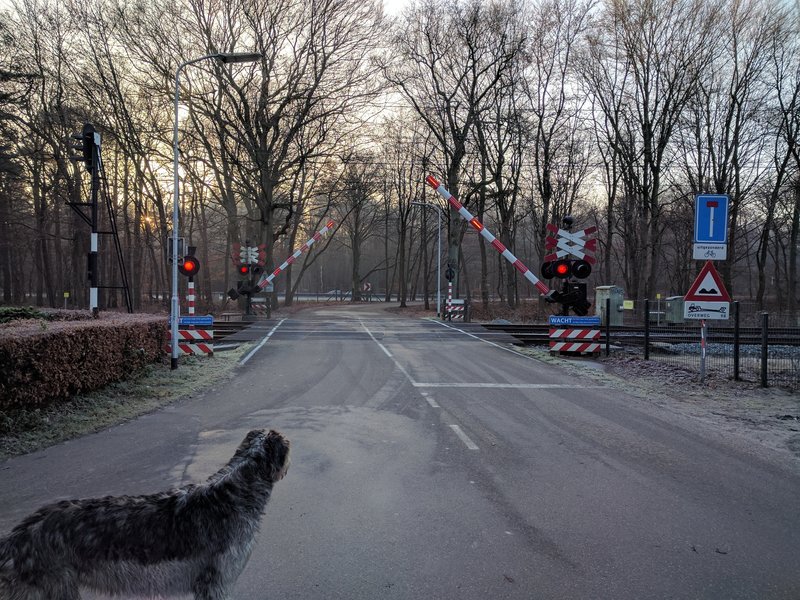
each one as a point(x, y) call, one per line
point(192, 540)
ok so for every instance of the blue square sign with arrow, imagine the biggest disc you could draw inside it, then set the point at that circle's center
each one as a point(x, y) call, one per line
point(710, 227)
point(711, 219)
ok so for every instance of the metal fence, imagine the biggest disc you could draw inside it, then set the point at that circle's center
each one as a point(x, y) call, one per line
point(751, 346)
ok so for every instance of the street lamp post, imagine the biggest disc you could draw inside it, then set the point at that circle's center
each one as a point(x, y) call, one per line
point(175, 304)
point(439, 262)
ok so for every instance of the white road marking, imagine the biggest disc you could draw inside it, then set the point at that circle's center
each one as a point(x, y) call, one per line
point(464, 437)
point(386, 351)
point(500, 386)
point(264, 341)
point(432, 402)
point(431, 319)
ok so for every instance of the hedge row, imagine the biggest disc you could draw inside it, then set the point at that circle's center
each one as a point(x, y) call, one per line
point(42, 362)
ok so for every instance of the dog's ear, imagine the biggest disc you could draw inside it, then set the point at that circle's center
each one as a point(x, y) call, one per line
point(247, 442)
point(251, 435)
point(277, 450)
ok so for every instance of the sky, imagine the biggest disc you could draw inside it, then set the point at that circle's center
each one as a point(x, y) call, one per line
point(393, 7)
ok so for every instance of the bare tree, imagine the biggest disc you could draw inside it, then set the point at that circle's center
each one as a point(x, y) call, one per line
point(358, 213)
point(661, 47)
point(450, 55)
point(724, 133)
point(786, 120)
point(558, 26)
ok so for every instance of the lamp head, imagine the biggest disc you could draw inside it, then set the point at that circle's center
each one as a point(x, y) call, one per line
point(238, 57)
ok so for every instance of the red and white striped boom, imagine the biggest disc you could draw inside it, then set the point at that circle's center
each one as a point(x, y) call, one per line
point(498, 245)
point(266, 280)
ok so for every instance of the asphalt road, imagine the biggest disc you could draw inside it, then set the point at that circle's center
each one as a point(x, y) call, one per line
point(430, 463)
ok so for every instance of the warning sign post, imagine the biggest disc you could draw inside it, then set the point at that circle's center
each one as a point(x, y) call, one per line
point(707, 297)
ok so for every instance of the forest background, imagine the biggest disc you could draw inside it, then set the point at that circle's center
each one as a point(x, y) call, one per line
point(614, 111)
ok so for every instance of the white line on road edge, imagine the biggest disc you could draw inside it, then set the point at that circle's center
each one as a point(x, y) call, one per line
point(428, 399)
point(513, 386)
point(386, 351)
point(464, 437)
point(264, 341)
point(481, 339)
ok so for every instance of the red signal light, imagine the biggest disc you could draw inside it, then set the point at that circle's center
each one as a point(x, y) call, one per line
point(190, 266)
point(244, 269)
point(561, 269)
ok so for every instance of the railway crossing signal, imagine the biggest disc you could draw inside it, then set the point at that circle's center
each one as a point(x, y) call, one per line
point(245, 269)
point(559, 264)
point(563, 269)
point(190, 266)
point(578, 244)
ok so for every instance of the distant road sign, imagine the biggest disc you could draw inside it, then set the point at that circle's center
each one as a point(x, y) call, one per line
point(202, 321)
point(563, 320)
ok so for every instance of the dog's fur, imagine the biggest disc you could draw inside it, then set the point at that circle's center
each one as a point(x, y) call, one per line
point(191, 540)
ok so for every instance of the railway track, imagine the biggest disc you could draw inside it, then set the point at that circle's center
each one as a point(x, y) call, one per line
point(622, 335)
point(633, 335)
point(223, 329)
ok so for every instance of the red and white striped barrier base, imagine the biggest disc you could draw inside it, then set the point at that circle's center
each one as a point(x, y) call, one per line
point(193, 341)
point(456, 309)
point(259, 309)
point(583, 341)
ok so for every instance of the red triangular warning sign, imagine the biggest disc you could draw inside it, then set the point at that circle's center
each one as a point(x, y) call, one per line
point(708, 286)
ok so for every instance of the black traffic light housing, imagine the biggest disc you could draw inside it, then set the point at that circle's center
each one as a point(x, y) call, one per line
point(87, 146)
point(189, 265)
point(574, 296)
point(581, 269)
point(573, 293)
point(566, 268)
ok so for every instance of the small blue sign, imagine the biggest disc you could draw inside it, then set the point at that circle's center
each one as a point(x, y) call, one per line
point(202, 321)
point(578, 321)
point(711, 219)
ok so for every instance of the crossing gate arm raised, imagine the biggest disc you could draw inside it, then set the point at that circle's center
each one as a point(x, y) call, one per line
point(497, 244)
point(266, 280)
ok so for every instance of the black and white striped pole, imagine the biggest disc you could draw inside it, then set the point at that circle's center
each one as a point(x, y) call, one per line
point(94, 305)
point(91, 154)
